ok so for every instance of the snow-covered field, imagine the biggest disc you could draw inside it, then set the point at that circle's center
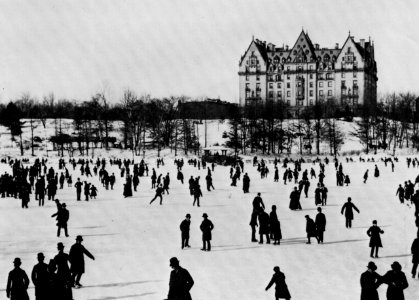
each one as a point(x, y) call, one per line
point(133, 241)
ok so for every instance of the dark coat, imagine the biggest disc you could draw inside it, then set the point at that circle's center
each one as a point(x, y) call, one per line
point(281, 288)
point(63, 271)
point(263, 223)
point(41, 280)
point(184, 227)
point(275, 226)
point(320, 222)
point(180, 284)
point(294, 200)
point(206, 228)
point(17, 284)
point(310, 228)
point(369, 285)
point(415, 251)
point(396, 282)
point(77, 252)
point(348, 208)
point(374, 234)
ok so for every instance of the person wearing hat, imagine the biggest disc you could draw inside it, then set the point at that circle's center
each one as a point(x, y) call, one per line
point(17, 282)
point(159, 193)
point(63, 275)
point(396, 281)
point(180, 282)
point(370, 281)
point(281, 288)
point(184, 228)
point(320, 224)
point(77, 252)
point(349, 214)
point(206, 228)
point(415, 255)
point(40, 278)
point(62, 215)
point(375, 240)
point(78, 185)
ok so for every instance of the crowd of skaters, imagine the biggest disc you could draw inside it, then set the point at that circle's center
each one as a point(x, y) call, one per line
point(269, 225)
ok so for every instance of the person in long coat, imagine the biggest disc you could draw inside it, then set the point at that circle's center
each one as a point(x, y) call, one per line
point(180, 282)
point(263, 219)
point(77, 252)
point(349, 214)
point(375, 240)
point(317, 195)
point(184, 228)
point(253, 224)
point(370, 281)
point(310, 229)
point(41, 279)
point(281, 288)
point(206, 228)
point(63, 278)
point(415, 255)
point(320, 225)
point(295, 200)
point(275, 226)
point(376, 172)
point(396, 281)
point(17, 282)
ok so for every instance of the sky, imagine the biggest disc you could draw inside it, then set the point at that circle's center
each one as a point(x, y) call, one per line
point(76, 48)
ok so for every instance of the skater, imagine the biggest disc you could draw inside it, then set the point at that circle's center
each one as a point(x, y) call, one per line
point(400, 192)
point(196, 194)
point(180, 282)
point(208, 179)
point(246, 183)
point(40, 278)
point(415, 256)
point(349, 214)
point(376, 172)
point(275, 226)
point(253, 224)
point(320, 224)
point(206, 228)
point(396, 281)
point(17, 282)
point(159, 193)
point(370, 281)
point(62, 218)
point(263, 219)
point(310, 229)
point(78, 186)
point(295, 200)
point(77, 252)
point(63, 277)
point(180, 176)
point(281, 288)
point(258, 203)
point(184, 229)
point(375, 240)
point(365, 176)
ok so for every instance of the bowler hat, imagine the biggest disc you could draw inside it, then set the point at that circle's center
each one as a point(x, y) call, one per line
point(79, 238)
point(204, 215)
point(396, 266)
point(188, 216)
point(17, 260)
point(372, 266)
point(60, 245)
point(276, 269)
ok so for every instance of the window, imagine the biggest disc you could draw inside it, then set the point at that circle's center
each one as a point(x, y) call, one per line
point(328, 76)
point(288, 85)
point(355, 74)
point(343, 75)
point(278, 77)
point(247, 77)
point(311, 76)
point(320, 83)
point(311, 93)
point(300, 68)
point(288, 102)
point(311, 84)
point(288, 68)
point(299, 93)
point(288, 77)
point(320, 93)
point(329, 92)
point(271, 94)
point(299, 83)
point(279, 94)
point(247, 86)
point(278, 85)
point(288, 94)
point(329, 84)
point(311, 67)
point(257, 77)
point(355, 82)
point(271, 86)
point(311, 102)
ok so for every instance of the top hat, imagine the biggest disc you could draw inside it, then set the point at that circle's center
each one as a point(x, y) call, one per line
point(79, 238)
point(17, 261)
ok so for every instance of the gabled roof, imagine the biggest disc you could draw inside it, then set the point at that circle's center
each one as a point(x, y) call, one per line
point(303, 45)
point(261, 48)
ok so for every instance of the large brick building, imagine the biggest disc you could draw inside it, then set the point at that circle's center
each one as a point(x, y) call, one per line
point(306, 73)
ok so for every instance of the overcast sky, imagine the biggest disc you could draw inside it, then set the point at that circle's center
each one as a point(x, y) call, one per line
point(184, 47)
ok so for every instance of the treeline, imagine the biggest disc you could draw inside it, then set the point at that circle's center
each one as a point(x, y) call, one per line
point(269, 128)
point(275, 128)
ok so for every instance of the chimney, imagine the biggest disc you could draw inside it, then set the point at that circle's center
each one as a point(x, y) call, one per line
point(362, 42)
point(286, 47)
point(317, 46)
point(337, 46)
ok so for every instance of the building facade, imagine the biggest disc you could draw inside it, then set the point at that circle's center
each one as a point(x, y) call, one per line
point(306, 73)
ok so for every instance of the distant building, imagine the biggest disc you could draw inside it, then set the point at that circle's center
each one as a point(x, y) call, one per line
point(306, 73)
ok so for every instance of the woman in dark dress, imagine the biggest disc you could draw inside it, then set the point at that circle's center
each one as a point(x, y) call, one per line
point(281, 288)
